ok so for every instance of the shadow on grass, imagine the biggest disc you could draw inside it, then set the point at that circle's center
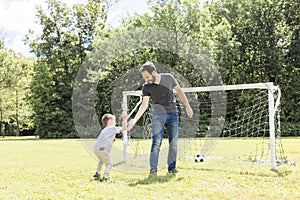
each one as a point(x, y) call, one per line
point(282, 173)
point(153, 179)
point(30, 138)
point(275, 173)
point(19, 138)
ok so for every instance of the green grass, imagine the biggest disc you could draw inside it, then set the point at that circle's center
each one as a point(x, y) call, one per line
point(62, 169)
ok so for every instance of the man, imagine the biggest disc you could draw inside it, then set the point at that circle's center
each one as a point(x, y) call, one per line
point(159, 87)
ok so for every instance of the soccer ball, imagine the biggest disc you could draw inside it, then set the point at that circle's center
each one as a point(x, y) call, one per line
point(198, 157)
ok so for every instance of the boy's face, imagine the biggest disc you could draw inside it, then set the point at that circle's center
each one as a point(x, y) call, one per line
point(112, 120)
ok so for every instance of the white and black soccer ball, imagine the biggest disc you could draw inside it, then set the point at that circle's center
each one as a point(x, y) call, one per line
point(198, 157)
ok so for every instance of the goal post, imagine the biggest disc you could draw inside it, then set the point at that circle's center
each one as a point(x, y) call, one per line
point(126, 137)
point(272, 109)
point(272, 106)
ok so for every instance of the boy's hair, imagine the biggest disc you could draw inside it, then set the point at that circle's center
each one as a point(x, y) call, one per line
point(106, 118)
point(149, 67)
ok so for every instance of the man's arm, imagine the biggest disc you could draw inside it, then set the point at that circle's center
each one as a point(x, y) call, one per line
point(185, 101)
point(142, 109)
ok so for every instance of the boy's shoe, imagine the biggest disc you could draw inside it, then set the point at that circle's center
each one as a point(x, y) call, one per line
point(153, 172)
point(96, 175)
point(173, 171)
point(105, 177)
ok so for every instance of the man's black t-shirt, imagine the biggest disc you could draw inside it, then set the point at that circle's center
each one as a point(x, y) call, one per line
point(162, 94)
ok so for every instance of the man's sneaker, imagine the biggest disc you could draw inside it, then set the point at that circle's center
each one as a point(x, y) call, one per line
point(173, 171)
point(153, 172)
point(96, 175)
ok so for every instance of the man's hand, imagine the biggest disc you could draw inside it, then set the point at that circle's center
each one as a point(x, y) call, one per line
point(189, 112)
point(124, 122)
point(131, 124)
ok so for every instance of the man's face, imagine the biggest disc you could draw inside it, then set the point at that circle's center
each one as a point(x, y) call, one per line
point(149, 78)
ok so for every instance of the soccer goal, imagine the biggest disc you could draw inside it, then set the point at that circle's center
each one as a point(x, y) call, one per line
point(230, 121)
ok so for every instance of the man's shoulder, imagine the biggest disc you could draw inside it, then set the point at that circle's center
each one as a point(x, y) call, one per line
point(167, 76)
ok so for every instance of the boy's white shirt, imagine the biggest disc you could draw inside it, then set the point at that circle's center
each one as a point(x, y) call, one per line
point(106, 137)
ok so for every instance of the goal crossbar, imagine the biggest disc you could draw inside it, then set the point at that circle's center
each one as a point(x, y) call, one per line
point(268, 85)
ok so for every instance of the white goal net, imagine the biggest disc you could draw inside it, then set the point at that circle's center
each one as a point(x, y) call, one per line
point(230, 121)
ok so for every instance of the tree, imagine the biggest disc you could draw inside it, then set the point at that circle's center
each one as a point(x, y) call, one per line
point(61, 48)
point(185, 19)
point(15, 78)
point(249, 41)
point(290, 73)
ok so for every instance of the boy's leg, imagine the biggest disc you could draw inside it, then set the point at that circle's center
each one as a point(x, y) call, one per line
point(100, 162)
point(108, 164)
point(99, 166)
point(98, 170)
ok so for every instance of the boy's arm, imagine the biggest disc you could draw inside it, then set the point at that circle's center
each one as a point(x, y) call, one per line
point(185, 101)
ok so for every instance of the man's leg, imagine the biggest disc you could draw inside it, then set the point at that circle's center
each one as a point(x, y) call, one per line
point(172, 129)
point(158, 122)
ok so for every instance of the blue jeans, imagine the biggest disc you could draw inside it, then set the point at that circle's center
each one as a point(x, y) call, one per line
point(159, 121)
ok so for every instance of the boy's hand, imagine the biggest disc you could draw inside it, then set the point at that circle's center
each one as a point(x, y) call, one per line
point(124, 115)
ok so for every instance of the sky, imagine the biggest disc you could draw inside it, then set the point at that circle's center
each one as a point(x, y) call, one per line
point(18, 16)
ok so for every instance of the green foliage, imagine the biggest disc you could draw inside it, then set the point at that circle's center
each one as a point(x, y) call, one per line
point(290, 73)
point(290, 129)
point(14, 86)
point(249, 41)
point(246, 42)
point(67, 37)
point(267, 38)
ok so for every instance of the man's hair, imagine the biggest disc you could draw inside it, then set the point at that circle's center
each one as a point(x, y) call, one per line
point(106, 118)
point(149, 67)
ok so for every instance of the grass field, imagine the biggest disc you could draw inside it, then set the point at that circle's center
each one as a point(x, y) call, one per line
point(62, 169)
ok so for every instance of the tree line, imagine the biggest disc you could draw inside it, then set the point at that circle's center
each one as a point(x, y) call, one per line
point(248, 42)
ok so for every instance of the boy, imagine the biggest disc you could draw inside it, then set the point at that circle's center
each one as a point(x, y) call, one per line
point(105, 141)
